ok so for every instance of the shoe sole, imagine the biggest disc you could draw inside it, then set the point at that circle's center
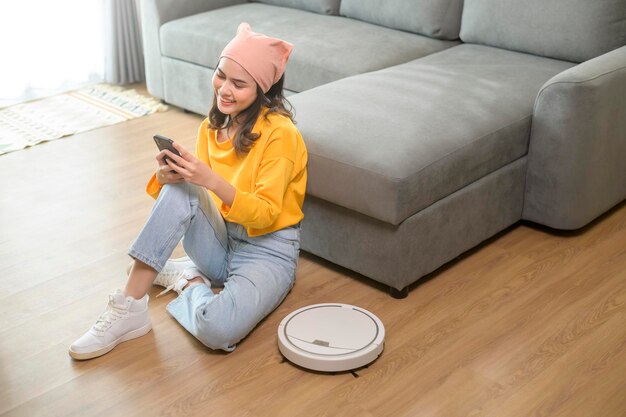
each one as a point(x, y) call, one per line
point(81, 356)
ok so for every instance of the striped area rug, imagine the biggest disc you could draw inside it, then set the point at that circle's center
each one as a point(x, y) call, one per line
point(28, 124)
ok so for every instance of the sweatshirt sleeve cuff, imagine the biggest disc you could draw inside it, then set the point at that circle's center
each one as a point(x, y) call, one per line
point(153, 188)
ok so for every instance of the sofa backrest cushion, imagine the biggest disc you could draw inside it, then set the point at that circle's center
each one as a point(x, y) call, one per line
point(571, 30)
point(440, 19)
point(317, 6)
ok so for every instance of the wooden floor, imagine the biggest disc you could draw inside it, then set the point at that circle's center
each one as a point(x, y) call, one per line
point(531, 323)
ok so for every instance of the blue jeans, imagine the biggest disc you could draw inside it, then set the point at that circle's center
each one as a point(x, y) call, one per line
point(256, 272)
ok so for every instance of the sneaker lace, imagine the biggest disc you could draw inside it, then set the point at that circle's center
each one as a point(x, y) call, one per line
point(109, 316)
point(171, 273)
point(178, 284)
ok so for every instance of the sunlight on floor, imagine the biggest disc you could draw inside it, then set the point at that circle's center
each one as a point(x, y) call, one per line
point(49, 47)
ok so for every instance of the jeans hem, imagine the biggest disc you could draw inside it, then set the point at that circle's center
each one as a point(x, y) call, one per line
point(154, 265)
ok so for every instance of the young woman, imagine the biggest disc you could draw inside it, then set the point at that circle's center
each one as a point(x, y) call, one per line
point(236, 205)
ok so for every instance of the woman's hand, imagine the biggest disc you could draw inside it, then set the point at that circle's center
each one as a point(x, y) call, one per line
point(164, 173)
point(187, 168)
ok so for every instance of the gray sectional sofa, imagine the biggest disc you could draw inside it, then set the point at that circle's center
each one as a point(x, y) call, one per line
point(431, 125)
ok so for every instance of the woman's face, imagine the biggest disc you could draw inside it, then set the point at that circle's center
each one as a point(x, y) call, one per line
point(235, 89)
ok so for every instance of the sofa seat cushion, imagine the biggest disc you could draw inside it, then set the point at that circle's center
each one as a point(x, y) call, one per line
point(389, 143)
point(326, 48)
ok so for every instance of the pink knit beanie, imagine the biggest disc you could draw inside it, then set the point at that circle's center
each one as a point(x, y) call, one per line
point(263, 57)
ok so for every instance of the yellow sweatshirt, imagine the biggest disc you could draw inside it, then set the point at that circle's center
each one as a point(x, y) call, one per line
point(270, 180)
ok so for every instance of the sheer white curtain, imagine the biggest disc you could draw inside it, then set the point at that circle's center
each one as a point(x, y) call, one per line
point(47, 47)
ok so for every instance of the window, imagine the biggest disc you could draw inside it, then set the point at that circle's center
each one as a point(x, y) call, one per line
point(49, 47)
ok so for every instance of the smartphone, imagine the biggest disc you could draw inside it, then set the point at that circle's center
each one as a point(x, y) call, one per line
point(165, 143)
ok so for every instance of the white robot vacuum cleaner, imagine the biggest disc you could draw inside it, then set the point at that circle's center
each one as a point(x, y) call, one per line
point(331, 337)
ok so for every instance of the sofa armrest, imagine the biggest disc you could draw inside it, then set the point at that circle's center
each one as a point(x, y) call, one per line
point(577, 151)
point(155, 13)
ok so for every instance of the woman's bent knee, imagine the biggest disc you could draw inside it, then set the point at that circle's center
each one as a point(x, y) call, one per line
point(175, 190)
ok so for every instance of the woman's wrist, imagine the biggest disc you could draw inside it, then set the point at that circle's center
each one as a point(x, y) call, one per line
point(222, 188)
point(211, 182)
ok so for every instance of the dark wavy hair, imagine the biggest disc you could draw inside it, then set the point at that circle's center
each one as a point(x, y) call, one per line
point(274, 100)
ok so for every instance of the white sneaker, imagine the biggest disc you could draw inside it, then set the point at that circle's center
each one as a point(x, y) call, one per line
point(124, 319)
point(176, 273)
